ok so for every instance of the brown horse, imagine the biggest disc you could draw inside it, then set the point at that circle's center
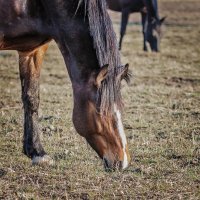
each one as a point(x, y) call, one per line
point(84, 34)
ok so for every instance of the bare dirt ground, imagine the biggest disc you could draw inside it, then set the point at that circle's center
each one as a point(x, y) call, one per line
point(161, 118)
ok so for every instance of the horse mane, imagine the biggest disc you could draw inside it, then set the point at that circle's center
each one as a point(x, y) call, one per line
point(106, 46)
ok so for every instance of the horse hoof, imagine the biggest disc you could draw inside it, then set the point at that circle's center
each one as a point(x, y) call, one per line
point(42, 160)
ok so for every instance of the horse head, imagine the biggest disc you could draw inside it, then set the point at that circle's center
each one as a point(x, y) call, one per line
point(154, 33)
point(103, 131)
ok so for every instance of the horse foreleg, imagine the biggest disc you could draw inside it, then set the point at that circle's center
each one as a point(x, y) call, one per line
point(124, 21)
point(144, 30)
point(30, 66)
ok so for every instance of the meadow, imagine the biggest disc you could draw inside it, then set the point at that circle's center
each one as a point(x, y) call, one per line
point(161, 118)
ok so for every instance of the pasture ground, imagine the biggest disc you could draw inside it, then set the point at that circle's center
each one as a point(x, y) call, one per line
point(161, 118)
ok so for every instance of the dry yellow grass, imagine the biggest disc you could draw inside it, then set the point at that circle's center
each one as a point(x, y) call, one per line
point(161, 118)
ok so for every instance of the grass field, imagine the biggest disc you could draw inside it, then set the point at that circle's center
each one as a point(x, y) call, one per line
point(161, 118)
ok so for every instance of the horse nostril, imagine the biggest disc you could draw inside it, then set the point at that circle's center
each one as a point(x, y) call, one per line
point(106, 163)
point(120, 164)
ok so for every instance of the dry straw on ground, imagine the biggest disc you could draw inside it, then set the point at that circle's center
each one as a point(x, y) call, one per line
point(161, 117)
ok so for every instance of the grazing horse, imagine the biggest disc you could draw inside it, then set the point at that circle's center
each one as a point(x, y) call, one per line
point(150, 19)
point(84, 34)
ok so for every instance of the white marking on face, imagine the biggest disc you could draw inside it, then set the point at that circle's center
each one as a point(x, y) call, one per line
point(122, 135)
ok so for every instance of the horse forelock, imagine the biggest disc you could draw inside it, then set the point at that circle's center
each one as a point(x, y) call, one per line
point(106, 46)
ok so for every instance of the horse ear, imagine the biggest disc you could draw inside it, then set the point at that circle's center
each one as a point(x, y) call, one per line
point(162, 19)
point(101, 75)
point(124, 72)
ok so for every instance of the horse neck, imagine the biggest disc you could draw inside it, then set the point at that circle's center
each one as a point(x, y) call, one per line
point(152, 9)
point(76, 46)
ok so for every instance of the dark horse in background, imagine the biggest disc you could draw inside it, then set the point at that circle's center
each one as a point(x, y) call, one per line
point(151, 23)
point(84, 34)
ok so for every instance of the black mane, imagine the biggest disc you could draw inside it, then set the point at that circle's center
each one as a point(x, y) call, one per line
point(105, 44)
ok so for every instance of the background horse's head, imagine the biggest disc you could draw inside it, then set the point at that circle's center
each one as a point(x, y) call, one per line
point(104, 132)
point(154, 33)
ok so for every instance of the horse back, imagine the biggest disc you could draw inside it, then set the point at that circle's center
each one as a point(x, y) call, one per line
point(130, 5)
point(21, 24)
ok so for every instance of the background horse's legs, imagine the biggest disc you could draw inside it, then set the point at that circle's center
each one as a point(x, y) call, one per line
point(30, 66)
point(124, 21)
point(155, 5)
point(144, 30)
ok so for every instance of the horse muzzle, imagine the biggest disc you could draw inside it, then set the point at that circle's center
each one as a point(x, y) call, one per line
point(110, 165)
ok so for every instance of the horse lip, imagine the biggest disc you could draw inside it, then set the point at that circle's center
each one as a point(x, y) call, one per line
point(155, 50)
point(112, 166)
